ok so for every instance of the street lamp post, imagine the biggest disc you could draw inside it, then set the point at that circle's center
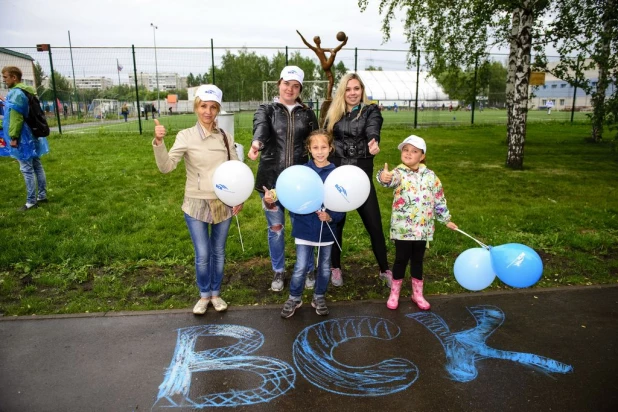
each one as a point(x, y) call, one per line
point(154, 35)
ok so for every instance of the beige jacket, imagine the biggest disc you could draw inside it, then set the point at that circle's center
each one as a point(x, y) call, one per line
point(202, 156)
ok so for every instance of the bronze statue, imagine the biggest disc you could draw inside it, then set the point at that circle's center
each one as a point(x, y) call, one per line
point(327, 63)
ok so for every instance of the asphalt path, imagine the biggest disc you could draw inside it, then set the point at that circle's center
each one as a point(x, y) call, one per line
point(527, 350)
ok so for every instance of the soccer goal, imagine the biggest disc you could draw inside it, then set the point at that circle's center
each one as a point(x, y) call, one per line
point(313, 91)
point(102, 109)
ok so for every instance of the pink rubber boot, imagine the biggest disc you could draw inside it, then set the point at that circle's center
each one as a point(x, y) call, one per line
point(393, 299)
point(417, 295)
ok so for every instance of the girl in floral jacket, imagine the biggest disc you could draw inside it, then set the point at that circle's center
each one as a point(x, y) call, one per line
point(418, 200)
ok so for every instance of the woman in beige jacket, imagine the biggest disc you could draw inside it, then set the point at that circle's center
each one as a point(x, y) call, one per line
point(203, 147)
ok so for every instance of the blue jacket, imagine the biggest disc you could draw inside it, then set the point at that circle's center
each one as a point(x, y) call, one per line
point(307, 227)
point(14, 125)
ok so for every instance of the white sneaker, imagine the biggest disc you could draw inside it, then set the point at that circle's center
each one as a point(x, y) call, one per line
point(277, 283)
point(201, 306)
point(218, 303)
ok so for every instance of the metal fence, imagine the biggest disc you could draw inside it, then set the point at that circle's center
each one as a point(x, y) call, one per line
point(146, 79)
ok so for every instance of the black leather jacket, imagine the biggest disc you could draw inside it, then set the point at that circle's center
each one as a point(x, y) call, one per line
point(282, 136)
point(352, 136)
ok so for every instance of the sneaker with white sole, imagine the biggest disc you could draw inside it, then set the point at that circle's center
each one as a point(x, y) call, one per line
point(310, 280)
point(201, 306)
point(336, 277)
point(290, 307)
point(218, 303)
point(319, 303)
point(277, 283)
point(387, 276)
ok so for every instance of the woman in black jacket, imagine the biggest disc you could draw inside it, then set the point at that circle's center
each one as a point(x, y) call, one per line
point(280, 130)
point(356, 126)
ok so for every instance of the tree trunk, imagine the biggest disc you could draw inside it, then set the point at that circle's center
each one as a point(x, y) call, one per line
point(602, 58)
point(519, 74)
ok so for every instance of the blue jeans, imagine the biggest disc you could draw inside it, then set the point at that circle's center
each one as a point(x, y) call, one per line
point(276, 238)
point(209, 254)
point(304, 257)
point(34, 175)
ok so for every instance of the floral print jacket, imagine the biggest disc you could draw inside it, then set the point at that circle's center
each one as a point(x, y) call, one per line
point(418, 200)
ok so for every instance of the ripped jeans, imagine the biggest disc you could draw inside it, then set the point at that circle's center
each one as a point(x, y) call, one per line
point(275, 217)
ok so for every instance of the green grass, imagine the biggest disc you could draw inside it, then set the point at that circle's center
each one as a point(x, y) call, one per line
point(113, 236)
point(404, 118)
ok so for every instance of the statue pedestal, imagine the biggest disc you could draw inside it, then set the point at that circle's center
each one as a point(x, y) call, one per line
point(323, 111)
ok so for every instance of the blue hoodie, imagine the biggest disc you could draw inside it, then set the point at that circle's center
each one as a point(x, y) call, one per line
point(307, 227)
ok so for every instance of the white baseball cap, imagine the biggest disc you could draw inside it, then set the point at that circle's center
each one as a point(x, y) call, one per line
point(209, 93)
point(415, 141)
point(293, 73)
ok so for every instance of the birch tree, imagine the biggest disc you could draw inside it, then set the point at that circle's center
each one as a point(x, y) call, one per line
point(585, 34)
point(458, 33)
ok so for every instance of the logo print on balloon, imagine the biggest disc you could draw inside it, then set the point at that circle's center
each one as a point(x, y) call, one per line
point(223, 188)
point(518, 260)
point(343, 192)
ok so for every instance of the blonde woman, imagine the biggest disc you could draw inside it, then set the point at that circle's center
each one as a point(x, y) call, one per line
point(355, 125)
point(203, 147)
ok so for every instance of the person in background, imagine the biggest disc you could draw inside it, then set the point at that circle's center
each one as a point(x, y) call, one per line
point(125, 111)
point(418, 200)
point(355, 125)
point(154, 111)
point(203, 147)
point(280, 131)
point(309, 232)
point(17, 132)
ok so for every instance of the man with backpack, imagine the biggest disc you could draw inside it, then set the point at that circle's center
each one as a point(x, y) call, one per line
point(23, 143)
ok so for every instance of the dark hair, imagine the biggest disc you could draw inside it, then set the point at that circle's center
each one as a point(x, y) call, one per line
point(298, 99)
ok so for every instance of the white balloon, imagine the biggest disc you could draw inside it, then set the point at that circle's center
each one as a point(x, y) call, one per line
point(346, 188)
point(233, 182)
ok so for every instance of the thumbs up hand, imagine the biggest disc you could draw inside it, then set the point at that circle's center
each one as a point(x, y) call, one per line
point(159, 132)
point(386, 176)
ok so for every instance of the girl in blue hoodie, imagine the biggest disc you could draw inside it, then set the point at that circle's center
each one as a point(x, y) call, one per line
point(311, 231)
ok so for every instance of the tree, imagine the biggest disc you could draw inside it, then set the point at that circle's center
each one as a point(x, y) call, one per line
point(39, 74)
point(340, 71)
point(456, 34)
point(372, 68)
point(587, 30)
point(240, 76)
point(63, 89)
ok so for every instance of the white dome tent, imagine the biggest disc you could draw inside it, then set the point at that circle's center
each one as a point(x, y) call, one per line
point(389, 87)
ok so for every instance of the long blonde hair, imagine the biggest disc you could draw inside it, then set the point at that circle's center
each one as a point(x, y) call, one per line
point(338, 108)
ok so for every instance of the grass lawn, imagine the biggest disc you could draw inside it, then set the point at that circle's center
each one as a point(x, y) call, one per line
point(113, 236)
point(403, 118)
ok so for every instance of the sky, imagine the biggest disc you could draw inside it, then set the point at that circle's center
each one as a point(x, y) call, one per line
point(185, 23)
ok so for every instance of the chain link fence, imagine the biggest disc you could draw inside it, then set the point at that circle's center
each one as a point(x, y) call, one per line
point(98, 86)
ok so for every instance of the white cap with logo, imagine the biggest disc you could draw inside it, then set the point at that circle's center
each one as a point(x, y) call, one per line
point(209, 93)
point(415, 141)
point(292, 73)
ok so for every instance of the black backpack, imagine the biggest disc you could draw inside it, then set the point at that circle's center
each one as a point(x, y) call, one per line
point(36, 117)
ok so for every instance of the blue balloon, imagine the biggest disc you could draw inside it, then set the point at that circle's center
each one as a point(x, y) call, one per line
point(300, 189)
point(517, 265)
point(473, 269)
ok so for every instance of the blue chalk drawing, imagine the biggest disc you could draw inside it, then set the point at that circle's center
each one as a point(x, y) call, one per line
point(277, 376)
point(313, 356)
point(463, 349)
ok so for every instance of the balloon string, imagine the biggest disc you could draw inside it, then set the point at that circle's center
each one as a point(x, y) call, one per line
point(239, 234)
point(319, 242)
point(334, 237)
point(480, 243)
